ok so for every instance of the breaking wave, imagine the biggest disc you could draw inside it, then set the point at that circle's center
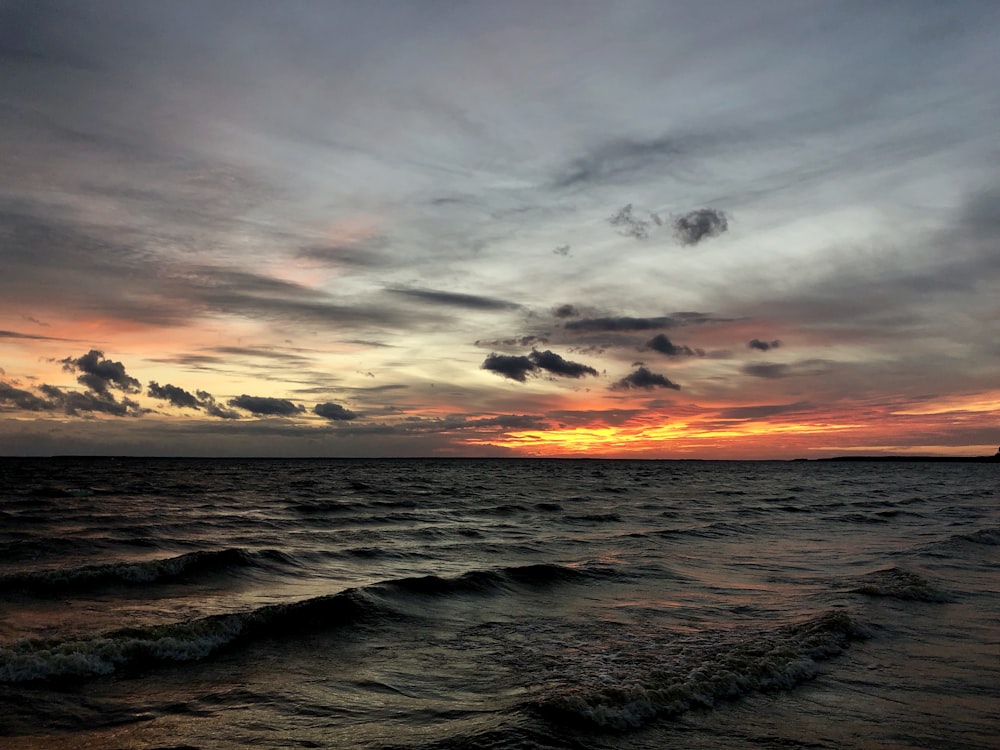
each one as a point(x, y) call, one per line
point(59, 580)
point(625, 691)
point(192, 640)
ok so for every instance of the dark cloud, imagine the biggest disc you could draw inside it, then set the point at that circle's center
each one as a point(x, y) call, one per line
point(664, 345)
point(99, 374)
point(213, 409)
point(562, 250)
point(518, 367)
point(334, 412)
point(454, 299)
point(266, 406)
point(565, 311)
point(173, 394)
point(645, 380)
point(515, 367)
point(74, 402)
point(694, 226)
point(763, 345)
point(620, 324)
point(523, 341)
point(776, 371)
point(552, 362)
point(629, 225)
point(21, 399)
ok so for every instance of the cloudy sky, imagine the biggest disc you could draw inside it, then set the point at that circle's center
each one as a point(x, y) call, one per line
point(721, 229)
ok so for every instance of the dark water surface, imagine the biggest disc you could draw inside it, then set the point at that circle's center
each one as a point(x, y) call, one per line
point(160, 603)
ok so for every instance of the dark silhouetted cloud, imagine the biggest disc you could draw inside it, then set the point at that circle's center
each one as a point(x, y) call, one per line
point(552, 362)
point(21, 399)
point(100, 374)
point(763, 345)
point(522, 341)
point(334, 412)
point(629, 225)
point(454, 299)
point(515, 367)
point(643, 379)
point(212, 408)
point(664, 345)
point(694, 226)
point(620, 324)
point(565, 311)
point(266, 406)
point(74, 403)
point(173, 394)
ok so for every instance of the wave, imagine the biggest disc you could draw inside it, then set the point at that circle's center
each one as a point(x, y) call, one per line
point(897, 583)
point(967, 544)
point(193, 640)
point(477, 581)
point(677, 676)
point(988, 537)
point(59, 580)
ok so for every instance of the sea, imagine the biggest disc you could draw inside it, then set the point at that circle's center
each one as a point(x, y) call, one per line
point(508, 603)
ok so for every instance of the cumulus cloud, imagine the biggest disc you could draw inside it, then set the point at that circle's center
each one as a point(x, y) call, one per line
point(643, 379)
point(565, 311)
point(173, 394)
point(266, 406)
point(213, 409)
point(511, 366)
point(664, 345)
point(629, 225)
point(763, 346)
point(99, 374)
point(552, 362)
point(694, 226)
point(74, 402)
point(21, 399)
point(334, 412)
point(517, 367)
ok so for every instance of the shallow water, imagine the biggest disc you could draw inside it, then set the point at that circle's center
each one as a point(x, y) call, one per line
point(514, 603)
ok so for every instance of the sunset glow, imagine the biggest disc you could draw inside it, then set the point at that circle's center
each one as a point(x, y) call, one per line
point(349, 230)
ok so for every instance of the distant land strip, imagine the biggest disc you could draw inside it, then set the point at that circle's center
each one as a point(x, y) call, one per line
point(915, 459)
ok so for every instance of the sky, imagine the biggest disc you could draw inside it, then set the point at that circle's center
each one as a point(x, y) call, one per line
point(664, 229)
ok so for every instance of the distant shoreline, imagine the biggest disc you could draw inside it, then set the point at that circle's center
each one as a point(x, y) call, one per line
point(913, 459)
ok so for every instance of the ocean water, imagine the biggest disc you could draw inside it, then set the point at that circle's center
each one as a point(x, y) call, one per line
point(169, 603)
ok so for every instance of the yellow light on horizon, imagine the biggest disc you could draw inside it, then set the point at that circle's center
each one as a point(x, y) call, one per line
point(641, 438)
